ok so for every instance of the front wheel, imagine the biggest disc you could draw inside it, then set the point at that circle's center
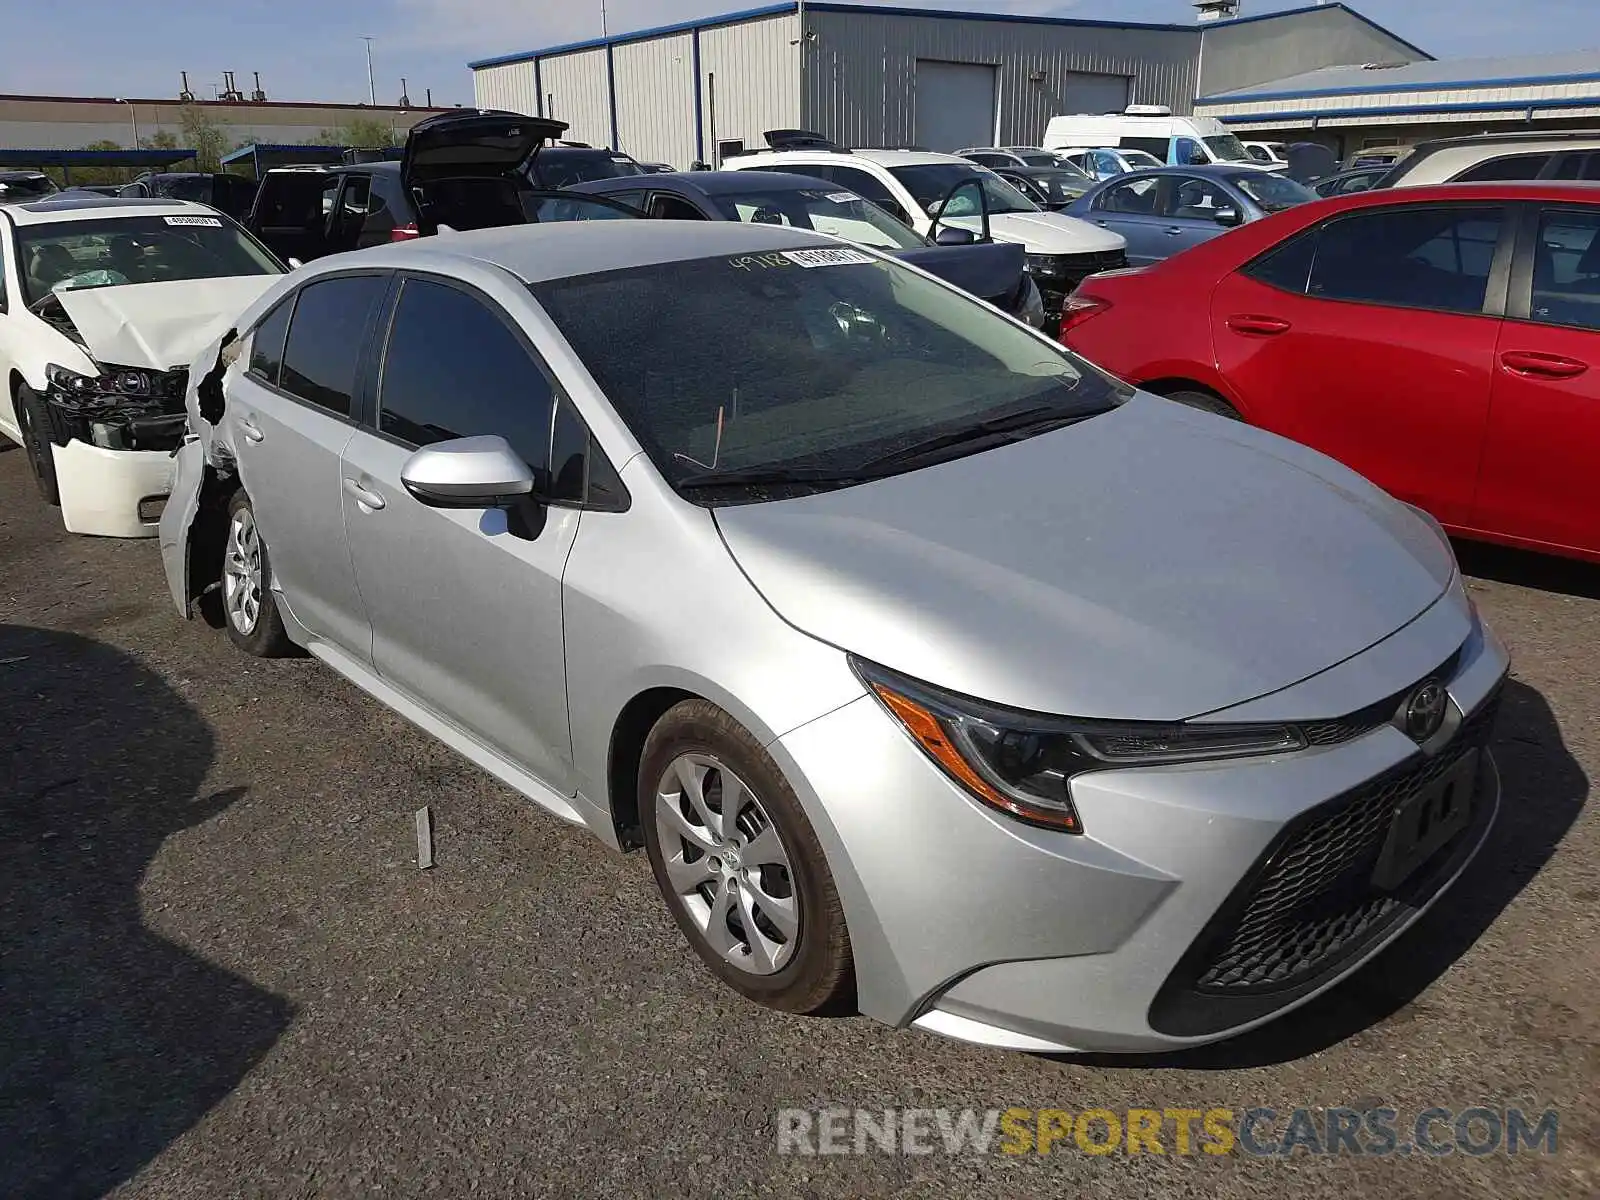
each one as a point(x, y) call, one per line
point(33, 423)
point(740, 865)
point(247, 601)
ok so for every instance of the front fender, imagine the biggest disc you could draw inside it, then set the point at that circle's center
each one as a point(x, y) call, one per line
point(178, 518)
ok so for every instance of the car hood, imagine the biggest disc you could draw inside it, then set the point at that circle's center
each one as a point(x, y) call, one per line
point(158, 326)
point(988, 270)
point(1150, 563)
point(1047, 232)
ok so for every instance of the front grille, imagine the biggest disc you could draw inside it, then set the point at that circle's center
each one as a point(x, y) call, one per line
point(1064, 272)
point(1310, 905)
point(1365, 720)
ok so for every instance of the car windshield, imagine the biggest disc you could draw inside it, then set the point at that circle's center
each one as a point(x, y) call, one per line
point(1060, 185)
point(27, 185)
point(930, 183)
point(1227, 148)
point(837, 212)
point(562, 168)
point(65, 255)
point(1273, 192)
point(815, 360)
point(1139, 160)
point(183, 187)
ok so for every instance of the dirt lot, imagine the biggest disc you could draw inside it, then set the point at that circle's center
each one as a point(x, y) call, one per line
point(221, 973)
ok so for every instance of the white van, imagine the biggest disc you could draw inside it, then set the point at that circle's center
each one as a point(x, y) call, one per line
point(1180, 141)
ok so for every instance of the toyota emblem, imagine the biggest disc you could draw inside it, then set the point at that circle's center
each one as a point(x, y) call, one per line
point(1424, 712)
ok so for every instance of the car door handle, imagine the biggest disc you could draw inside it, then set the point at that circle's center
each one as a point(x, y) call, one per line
point(365, 495)
point(1258, 326)
point(1542, 366)
point(251, 431)
point(1174, 231)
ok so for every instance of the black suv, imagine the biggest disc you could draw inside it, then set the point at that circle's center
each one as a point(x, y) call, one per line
point(467, 170)
point(232, 194)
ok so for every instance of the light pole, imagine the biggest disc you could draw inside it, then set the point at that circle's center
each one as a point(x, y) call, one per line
point(372, 88)
point(133, 115)
point(604, 32)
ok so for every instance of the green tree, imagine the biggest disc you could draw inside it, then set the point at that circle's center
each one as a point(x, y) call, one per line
point(205, 134)
point(161, 139)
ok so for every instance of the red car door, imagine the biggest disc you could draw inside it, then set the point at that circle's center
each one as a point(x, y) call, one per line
point(1541, 461)
point(1372, 338)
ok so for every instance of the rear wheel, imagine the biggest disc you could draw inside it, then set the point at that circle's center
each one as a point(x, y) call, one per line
point(739, 865)
point(1205, 402)
point(33, 423)
point(247, 602)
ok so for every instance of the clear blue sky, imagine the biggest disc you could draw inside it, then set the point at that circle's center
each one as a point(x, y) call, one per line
point(311, 49)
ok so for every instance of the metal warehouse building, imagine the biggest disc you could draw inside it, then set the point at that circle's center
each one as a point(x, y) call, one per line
point(868, 75)
point(1376, 103)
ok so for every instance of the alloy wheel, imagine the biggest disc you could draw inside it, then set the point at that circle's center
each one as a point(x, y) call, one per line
point(729, 869)
point(241, 572)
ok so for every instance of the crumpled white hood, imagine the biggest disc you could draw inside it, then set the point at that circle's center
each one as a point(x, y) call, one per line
point(1047, 232)
point(159, 326)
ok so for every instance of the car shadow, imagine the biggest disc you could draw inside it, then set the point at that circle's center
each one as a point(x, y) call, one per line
point(113, 1039)
point(1524, 568)
point(1543, 789)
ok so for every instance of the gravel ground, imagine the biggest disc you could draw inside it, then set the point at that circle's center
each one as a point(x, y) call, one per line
point(221, 973)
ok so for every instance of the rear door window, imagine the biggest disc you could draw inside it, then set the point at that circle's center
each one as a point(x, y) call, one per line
point(1433, 258)
point(869, 187)
point(1509, 169)
point(1566, 269)
point(665, 206)
point(326, 337)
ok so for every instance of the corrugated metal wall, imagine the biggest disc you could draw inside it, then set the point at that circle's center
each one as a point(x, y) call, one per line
point(577, 91)
point(860, 85)
point(510, 86)
point(1251, 52)
point(749, 80)
point(655, 99)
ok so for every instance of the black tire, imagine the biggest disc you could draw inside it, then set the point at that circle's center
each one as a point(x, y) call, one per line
point(263, 636)
point(819, 975)
point(33, 423)
point(1205, 402)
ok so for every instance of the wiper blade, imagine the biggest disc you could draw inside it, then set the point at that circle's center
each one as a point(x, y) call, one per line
point(1034, 418)
point(769, 476)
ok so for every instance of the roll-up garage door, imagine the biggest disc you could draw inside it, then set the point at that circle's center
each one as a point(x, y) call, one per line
point(1086, 92)
point(955, 105)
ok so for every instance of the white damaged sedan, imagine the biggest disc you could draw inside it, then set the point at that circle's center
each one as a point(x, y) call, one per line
point(103, 302)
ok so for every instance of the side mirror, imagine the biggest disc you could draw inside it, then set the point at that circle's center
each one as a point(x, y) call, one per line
point(950, 235)
point(471, 472)
point(1228, 216)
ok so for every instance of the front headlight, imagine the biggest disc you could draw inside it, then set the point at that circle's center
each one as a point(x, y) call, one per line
point(1023, 763)
point(129, 382)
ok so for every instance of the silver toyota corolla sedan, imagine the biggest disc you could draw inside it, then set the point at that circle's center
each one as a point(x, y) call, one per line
point(937, 672)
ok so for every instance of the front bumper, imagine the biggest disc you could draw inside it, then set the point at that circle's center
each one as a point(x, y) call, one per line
point(971, 925)
point(112, 493)
point(1058, 275)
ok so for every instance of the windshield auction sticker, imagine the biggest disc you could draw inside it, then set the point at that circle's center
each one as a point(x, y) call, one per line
point(826, 258)
point(207, 222)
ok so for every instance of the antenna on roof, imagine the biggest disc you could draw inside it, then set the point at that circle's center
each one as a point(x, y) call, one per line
point(405, 100)
point(186, 95)
point(258, 95)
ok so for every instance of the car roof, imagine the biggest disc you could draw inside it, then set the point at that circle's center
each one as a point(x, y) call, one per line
point(1224, 171)
point(1032, 172)
point(886, 158)
point(562, 249)
point(79, 207)
point(711, 183)
point(1562, 191)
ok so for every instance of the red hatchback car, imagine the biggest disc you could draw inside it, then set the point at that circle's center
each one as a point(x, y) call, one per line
point(1443, 341)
